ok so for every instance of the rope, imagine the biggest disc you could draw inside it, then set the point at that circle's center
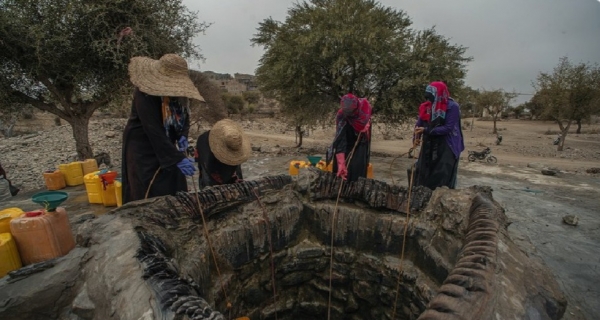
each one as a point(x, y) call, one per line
point(415, 145)
point(333, 216)
point(212, 252)
point(151, 182)
point(266, 217)
point(401, 268)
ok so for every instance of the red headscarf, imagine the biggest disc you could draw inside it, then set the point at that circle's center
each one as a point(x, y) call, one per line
point(354, 111)
point(430, 111)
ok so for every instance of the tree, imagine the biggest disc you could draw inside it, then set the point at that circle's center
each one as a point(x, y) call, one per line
point(519, 110)
point(252, 97)
point(214, 108)
point(570, 93)
point(74, 58)
point(233, 103)
point(495, 102)
point(325, 49)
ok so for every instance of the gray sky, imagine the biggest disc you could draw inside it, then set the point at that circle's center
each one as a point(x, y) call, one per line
point(511, 41)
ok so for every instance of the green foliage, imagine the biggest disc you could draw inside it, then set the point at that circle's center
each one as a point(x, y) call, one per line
point(519, 110)
point(570, 93)
point(252, 97)
point(325, 49)
point(70, 57)
point(495, 102)
point(233, 103)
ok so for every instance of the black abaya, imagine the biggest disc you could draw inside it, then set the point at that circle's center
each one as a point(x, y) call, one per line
point(344, 142)
point(146, 148)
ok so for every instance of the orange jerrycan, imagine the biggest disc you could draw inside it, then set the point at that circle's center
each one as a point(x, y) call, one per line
point(119, 192)
point(42, 235)
point(55, 180)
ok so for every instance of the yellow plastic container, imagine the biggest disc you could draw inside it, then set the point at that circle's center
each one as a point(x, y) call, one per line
point(6, 215)
point(55, 180)
point(119, 193)
point(109, 195)
point(295, 167)
point(73, 173)
point(9, 255)
point(89, 166)
point(370, 171)
point(93, 187)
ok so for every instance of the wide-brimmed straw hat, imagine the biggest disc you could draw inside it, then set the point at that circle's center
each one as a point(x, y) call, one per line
point(228, 143)
point(167, 77)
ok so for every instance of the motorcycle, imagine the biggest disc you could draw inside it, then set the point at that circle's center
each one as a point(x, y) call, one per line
point(483, 155)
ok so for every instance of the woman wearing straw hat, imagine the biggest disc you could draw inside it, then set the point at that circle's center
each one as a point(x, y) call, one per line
point(152, 164)
point(220, 153)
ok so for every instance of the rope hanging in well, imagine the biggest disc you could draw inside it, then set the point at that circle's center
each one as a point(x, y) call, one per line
point(333, 219)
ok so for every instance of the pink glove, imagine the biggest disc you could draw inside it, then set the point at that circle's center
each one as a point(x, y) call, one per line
point(341, 165)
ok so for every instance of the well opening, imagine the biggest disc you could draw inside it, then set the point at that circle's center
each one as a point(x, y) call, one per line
point(367, 245)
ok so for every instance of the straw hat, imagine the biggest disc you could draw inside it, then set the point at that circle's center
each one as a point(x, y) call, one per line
point(228, 143)
point(167, 77)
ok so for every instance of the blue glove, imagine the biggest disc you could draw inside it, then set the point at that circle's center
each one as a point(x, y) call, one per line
point(187, 167)
point(182, 143)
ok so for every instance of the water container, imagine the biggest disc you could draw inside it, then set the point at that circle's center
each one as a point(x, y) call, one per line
point(55, 180)
point(295, 166)
point(73, 173)
point(6, 216)
point(93, 187)
point(370, 171)
point(9, 255)
point(119, 192)
point(41, 235)
point(109, 195)
point(89, 166)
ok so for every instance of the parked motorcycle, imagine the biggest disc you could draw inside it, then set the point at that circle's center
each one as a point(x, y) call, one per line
point(483, 155)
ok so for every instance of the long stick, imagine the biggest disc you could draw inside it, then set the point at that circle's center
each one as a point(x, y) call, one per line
point(333, 219)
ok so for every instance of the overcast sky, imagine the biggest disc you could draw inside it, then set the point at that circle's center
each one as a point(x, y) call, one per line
point(511, 41)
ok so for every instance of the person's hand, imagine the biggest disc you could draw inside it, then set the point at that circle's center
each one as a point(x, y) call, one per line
point(187, 167)
point(367, 127)
point(419, 130)
point(342, 171)
point(182, 143)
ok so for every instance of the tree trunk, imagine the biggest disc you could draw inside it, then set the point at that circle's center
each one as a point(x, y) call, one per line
point(299, 132)
point(495, 130)
point(472, 121)
point(563, 137)
point(578, 126)
point(80, 133)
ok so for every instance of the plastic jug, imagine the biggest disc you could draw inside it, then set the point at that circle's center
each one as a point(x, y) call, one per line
point(295, 167)
point(370, 171)
point(109, 195)
point(119, 192)
point(42, 235)
point(73, 173)
point(6, 216)
point(55, 180)
point(89, 166)
point(93, 187)
point(9, 255)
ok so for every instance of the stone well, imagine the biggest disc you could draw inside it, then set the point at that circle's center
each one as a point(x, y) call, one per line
point(151, 260)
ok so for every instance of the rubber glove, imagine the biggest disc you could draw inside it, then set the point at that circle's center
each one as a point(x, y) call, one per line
point(187, 167)
point(341, 165)
point(183, 144)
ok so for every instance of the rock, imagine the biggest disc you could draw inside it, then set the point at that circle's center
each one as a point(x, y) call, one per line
point(82, 305)
point(571, 220)
point(536, 165)
point(256, 149)
point(110, 134)
point(549, 172)
point(593, 170)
